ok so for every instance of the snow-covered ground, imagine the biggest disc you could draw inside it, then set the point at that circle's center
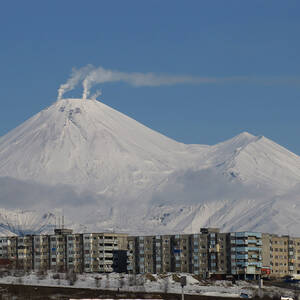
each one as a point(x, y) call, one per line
point(115, 281)
point(146, 283)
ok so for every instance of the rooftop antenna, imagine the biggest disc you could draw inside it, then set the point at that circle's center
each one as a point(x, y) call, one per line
point(63, 221)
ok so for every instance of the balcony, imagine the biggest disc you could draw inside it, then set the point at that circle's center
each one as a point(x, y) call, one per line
point(241, 249)
point(108, 248)
point(241, 234)
point(246, 234)
point(257, 264)
point(242, 264)
point(241, 242)
point(108, 255)
point(254, 249)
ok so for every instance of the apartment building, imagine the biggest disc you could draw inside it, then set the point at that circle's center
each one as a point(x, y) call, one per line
point(8, 250)
point(207, 253)
point(217, 251)
point(164, 253)
point(24, 248)
point(149, 254)
point(63, 251)
point(58, 250)
point(203, 254)
point(74, 252)
point(281, 255)
point(182, 253)
point(132, 255)
point(265, 254)
point(41, 250)
point(294, 255)
point(200, 246)
point(159, 254)
point(275, 254)
point(146, 261)
point(246, 254)
point(104, 252)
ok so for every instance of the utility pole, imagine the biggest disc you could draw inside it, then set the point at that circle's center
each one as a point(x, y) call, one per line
point(183, 283)
point(260, 285)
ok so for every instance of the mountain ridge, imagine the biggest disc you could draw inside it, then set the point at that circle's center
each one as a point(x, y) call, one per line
point(106, 170)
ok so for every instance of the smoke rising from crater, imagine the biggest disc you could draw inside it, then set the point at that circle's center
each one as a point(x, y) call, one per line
point(77, 75)
point(101, 75)
point(96, 95)
point(91, 76)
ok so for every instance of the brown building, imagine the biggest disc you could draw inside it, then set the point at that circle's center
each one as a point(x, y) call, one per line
point(281, 254)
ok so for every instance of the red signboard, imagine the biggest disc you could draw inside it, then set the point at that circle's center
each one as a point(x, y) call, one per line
point(4, 262)
point(266, 271)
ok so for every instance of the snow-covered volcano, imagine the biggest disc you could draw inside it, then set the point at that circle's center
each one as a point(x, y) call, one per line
point(105, 170)
point(85, 143)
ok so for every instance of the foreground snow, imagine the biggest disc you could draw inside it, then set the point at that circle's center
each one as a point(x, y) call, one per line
point(145, 283)
point(139, 283)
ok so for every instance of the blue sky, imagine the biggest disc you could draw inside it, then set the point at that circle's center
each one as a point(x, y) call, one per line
point(42, 40)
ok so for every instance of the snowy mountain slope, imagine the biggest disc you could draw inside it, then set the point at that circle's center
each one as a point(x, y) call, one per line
point(264, 162)
point(87, 143)
point(255, 160)
point(20, 222)
point(107, 171)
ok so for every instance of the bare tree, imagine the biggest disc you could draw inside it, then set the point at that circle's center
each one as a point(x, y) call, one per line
point(140, 282)
point(107, 281)
point(71, 276)
point(165, 285)
point(132, 280)
point(98, 281)
point(121, 282)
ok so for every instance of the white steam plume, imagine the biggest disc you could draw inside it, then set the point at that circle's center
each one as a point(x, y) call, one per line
point(76, 76)
point(90, 76)
point(96, 95)
point(101, 75)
